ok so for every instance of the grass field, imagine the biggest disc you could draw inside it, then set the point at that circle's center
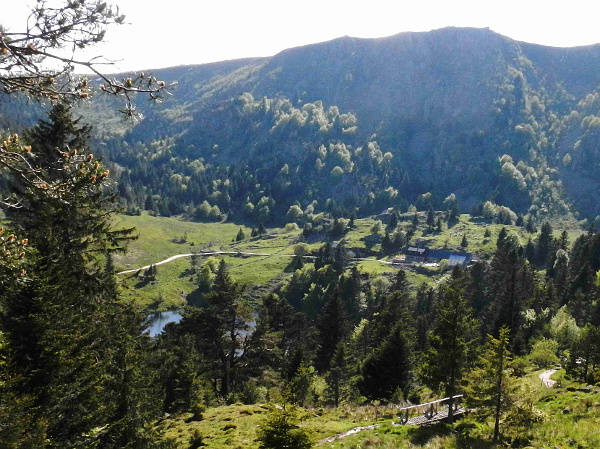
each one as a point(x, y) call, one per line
point(157, 238)
point(236, 426)
point(569, 416)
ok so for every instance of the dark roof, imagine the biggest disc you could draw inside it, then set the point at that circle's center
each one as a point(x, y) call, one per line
point(439, 254)
point(413, 250)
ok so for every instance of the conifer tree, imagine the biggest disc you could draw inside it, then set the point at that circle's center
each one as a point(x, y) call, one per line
point(69, 303)
point(451, 339)
point(281, 430)
point(393, 224)
point(240, 235)
point(545, 243)
point(389, 367)
point(509, 285)
point(339, 374)
point(222, 328)
point(491, 386)
point(333, 327)
point(430, 218)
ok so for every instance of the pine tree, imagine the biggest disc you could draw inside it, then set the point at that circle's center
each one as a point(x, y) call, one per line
point(281, 431)
point(66, 364)
point(333, 327)
point(430, 218)
point(240, 235)
point(339, 374)
point(61, 133)
point(389, 367)
point(490, 387)
point(221, 329)
point(545, 243)
point(393, 224)
point(530, 251)
point(510, 282)
point(464, 242)
point(501, 236)
point(451, 340)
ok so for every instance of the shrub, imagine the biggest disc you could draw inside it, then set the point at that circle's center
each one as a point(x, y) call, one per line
point(280, 431)
point(543, 353)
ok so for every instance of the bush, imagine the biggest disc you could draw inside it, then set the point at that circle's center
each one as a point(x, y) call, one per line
point(198, 411)
point(290, 227)
point(519, 365)
point(543, 353)
point(196, 441)
point(280, 431)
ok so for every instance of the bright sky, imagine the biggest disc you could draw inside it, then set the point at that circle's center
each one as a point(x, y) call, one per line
point(175, 32)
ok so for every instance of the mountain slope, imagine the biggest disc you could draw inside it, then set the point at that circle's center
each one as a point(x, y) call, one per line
point(446, 105)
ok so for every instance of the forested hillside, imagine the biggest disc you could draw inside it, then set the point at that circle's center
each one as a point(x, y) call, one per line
point(371, 123)
point(408, 130)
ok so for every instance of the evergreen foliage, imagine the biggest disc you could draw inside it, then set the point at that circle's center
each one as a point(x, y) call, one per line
point(451, 339)
point(281, 431)
point(491, 386)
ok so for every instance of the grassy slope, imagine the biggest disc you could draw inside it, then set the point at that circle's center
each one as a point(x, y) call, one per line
point(575, 428)
point(236, 426)
point(174, 280)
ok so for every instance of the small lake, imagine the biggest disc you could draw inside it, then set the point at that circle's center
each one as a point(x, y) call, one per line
point(157, 321)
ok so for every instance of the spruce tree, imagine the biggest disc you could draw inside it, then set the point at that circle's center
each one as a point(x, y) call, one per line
point(221, 330)
point(240, 235)
point(333, 327)
point(67, 364)
point(545, 243)
point(393, 224)
point(490, 387)
point(451, 339)
point(389, 367)
point(430, 218)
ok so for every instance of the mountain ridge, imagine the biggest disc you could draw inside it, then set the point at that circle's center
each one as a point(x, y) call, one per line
point(446, 105)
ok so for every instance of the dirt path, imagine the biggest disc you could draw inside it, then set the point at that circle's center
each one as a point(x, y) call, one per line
point(203, 253)
point(229, 253)
point(347, 434)
point(545, 378)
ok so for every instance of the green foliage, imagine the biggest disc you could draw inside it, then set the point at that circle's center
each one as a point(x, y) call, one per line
point(491, 387)
point(240, 235)
point(563, 328)
point(81, 342)
point(388, 367)
point(543, 353)
point(451, 339)
point(280, 430)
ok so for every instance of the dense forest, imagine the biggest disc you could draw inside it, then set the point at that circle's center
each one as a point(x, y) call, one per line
point(416, 113)
point(77, 369)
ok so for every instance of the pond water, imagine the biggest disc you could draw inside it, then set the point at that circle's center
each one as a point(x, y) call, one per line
point(157, 321)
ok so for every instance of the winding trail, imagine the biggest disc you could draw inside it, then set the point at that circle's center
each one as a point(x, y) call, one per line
point(545, 378)
point(346, 434)
point(231, 253)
